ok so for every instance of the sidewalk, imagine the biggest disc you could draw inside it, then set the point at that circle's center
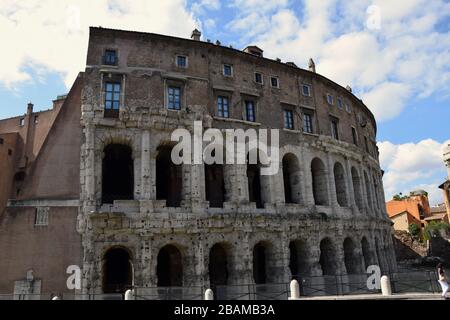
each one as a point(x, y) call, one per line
point(404, 296)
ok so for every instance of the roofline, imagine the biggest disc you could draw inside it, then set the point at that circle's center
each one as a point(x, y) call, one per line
point(359, 101)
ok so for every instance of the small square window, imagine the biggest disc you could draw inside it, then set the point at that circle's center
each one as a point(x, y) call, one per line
point(1, 141)
point(41, 217)
point(112, 95)
point(274, 82)
point(110, 57)
point(227, 70)
point(9, 152)
point(289, 119)
point(250, 111)
point(306, 90)
point(182, 61)
point(330, 99)
point(258, 78)
point(36, 119)
point(22, 122)
point(339, 103)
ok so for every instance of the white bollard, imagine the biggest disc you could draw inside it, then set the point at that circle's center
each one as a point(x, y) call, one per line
point(386, 289)
point(129, 295)
point(56, 298)
point(295, 290)
point(209, 294)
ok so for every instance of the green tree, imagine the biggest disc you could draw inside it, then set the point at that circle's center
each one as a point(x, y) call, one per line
point(434, 228)
point(414, 230)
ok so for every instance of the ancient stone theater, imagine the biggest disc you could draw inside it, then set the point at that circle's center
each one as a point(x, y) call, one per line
point(90, 182)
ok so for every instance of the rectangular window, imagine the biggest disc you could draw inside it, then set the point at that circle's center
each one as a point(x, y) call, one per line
point(306, 90)
point(223, 107)
point(22, 122)
point(41, 217)
point(274, 82)
point(355, 137)
point(307, 123)
point(250, 111)
point(258, 78)
point(174, 98)
point(330, 99)
point(288, 119)
point(334, 129)
point(339, 103)
point(36, 119)
point(347, 108)
point(9, 152)
point(182, 61)
point(110, 58)
point(227, 70)
point(112, 96)
point(1, 141)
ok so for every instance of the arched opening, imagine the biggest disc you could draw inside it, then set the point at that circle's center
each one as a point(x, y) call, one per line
point(298, 262)
point(319, 182)
point(218, 266)
point(357, 188)
point(260, 263)
point(339, 181)
point(291, 179)
point(368, 191)
point(214, 185)
point(366, 252)
point(351, 259)
point(118, 173)
point(327, 258)
point(169, 268)
point(254, 183)
point(169, 178)
point(117, 271)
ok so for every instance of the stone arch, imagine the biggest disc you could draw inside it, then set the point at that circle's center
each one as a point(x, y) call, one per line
point(254, 181)
point(219, 264)
point(299, 256)
point(261, 252)
point(340, 184)
point(117, 173)
point(169, 177)
point(366, 251)
point(327, 259)
point(117, 270)
point(169, 267)
point(215, 185)
point(368, 190)
point(319, 182)
point(356, 180)
point(291, 178)
point(351, 259)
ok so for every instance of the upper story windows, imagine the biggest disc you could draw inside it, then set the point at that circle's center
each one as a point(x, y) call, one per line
point(110, 58)
point(2, 141)
point(258, 78)
point(347, 107)
point(250, 110)
point(354, 136)
point(182, 61)
point(21, 122)
point(306, 90)
point(112, 98)
point(340, 103)
point(308, 122)
point(330, 99)
point(223, 106)
point(335, 128)
point(228, 70)
point(174, 98)
point(289, 119)
point(274, 82)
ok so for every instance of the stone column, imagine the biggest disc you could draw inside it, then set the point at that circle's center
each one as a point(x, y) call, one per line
point(145, 166)
point(363, 188)
point(89, 172)
point(332, 197)
point(349, 180)
point(308, 196)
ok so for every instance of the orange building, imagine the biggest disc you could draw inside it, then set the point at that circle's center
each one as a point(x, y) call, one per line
point(412, 209)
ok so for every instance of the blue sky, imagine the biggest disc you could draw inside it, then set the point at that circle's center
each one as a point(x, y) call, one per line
point(394, 54)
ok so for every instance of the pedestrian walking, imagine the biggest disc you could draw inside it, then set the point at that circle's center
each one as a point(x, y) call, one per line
point(442, 280)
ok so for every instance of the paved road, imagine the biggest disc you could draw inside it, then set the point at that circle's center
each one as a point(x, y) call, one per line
point(409, 296)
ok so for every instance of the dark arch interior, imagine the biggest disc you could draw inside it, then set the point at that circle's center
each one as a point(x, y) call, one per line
point(290, 165)
point(350, 259)
point(117, 271)
point(327, 256)
point(214, 185)
point(259, 263)
point(254, 184)
point(298, 259)
point(339, 180)
point(319, 182)
point(169, 269)
point(218, 266)
point(118, 175)
point(168, 178)
point(366, 252)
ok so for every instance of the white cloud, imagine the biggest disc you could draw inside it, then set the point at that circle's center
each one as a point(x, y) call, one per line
point(412, 166)
point(52, 35)
point(200, 7)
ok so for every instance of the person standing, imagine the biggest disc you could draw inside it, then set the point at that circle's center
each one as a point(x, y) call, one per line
point(442, 280)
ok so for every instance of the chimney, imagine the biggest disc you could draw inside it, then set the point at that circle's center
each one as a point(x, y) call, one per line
point(312, 65)
point(349, 88)
point(30, 108)
point(196, 35)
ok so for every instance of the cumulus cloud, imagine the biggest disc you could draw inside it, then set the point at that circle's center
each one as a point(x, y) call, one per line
point(52, 35)
point(408, 165)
